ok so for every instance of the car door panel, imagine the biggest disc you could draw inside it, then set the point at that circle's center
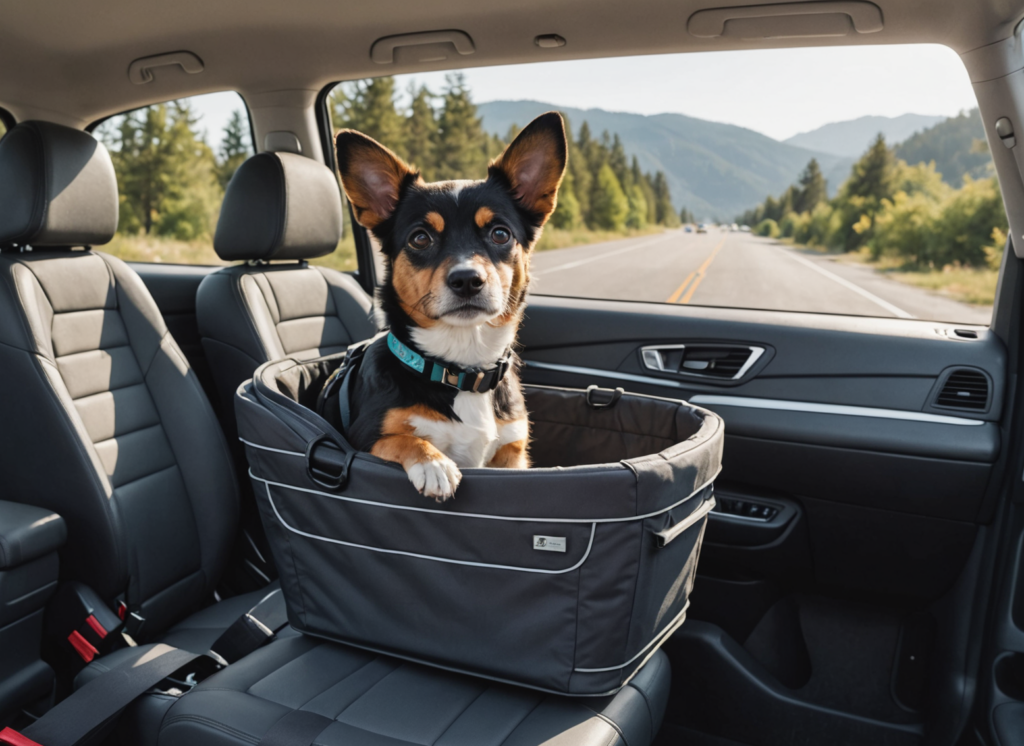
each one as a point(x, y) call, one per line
point(836, 419)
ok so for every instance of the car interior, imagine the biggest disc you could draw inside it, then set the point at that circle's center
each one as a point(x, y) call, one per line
point(859, 581)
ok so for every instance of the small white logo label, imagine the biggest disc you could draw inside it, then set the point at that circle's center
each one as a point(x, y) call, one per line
point(549, 543)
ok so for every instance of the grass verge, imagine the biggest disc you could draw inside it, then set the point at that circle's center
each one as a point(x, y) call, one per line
point(973, 285)
point(554, 238)
point(161, 250)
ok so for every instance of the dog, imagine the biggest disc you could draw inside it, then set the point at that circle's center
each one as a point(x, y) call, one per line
point(440, 391)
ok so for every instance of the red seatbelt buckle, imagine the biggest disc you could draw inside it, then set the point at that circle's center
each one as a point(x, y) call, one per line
point(122, 610)
point(82, 646)
point(13, 738)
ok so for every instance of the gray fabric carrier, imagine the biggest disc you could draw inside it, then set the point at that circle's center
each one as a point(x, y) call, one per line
point(565, 577)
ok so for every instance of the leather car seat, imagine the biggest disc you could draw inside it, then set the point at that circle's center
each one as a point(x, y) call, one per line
point(101, 419)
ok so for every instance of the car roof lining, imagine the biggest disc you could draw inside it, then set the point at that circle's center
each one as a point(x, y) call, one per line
point(66, 61)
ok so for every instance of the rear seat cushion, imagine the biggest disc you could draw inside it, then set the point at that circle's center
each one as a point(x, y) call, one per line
point(380, 701)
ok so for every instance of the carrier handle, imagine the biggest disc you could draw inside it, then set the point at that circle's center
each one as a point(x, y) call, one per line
point(596, 403)
point(327, 463)
point(667, 535)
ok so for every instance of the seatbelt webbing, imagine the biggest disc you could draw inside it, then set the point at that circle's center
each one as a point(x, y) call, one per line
point(253, 629)
point(103, 697)
point(297, 728)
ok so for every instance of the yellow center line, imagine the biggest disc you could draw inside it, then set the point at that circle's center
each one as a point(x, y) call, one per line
point(699, 275)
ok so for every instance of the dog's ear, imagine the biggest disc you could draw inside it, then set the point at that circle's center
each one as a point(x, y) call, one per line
point(534, 164)
point(371, 175)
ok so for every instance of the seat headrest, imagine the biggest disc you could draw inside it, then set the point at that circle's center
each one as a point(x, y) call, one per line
point(279, 206)
point(57, 187)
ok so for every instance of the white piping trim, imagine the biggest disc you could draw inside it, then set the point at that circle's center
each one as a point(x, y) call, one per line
point(590, 545)
point(518, 519)
point(754, 403)
point(840, 409)
point(672, 627)
point(272, 450)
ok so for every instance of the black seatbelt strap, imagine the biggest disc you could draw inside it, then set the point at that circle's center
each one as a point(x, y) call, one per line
point(253, 629)
point(297, 728)
point(99, 700)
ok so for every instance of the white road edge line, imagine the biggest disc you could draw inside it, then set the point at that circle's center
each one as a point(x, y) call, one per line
point(899, 312)
point(581, 262)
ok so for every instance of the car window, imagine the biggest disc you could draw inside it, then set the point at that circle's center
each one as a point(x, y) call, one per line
point(173, 162)
point(831, 180)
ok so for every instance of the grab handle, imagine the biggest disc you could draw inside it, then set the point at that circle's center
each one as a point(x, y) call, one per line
point(667, 535)
point(327, 464)
point(599, 398)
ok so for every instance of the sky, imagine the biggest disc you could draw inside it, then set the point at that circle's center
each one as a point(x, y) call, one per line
point(779, 92)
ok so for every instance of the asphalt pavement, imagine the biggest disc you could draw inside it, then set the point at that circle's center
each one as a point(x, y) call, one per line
point(738, 270)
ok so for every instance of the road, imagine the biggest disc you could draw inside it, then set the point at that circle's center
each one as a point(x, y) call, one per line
point(737, 270)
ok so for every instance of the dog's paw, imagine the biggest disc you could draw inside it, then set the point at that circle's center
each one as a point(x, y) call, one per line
point(437, 479)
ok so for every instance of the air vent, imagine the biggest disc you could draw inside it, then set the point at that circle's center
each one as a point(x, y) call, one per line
point(964, 389)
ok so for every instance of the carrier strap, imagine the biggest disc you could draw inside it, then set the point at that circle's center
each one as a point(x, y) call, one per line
point(84, 711)
point(297, 728)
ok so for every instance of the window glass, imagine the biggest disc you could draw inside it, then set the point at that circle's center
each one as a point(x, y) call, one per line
point(173, 161)
point(851, 180)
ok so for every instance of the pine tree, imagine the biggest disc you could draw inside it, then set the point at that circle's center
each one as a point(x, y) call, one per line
point(582, 178)
point(620, 165)
point(873, 176)
point(664, 211)
point(462, 143)
point(567, 215)
point(420, 132)
point(609, 206)
point(813, 188)
point(872, 180)
point(369, 106)
point(235, 147)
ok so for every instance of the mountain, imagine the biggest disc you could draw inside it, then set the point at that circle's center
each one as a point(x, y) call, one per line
point(852, 138)
point(716, 170)
point(957, 145)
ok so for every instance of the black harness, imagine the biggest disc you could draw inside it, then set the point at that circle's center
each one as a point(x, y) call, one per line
point(432, 369)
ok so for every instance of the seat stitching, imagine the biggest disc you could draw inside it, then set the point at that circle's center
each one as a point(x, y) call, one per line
point(130, 432)
point(21, 303)
point(380, 681)
point(345, 678)
point(464, 710)
point(147, 476)
point(522, 720)
point(210, 723)
point(271, 673)
point(241, 300)
point(93, 349)
point(110, 391)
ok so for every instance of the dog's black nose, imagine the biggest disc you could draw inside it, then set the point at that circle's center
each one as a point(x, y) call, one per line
point(465, 282)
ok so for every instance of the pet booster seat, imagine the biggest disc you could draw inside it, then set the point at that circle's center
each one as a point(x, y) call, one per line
point(565, 577)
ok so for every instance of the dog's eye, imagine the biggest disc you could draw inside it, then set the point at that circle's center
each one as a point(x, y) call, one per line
point(420, 240)
point(501, 235)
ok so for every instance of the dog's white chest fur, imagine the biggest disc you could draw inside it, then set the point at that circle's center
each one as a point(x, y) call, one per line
point(474, 440)
point(471, 442)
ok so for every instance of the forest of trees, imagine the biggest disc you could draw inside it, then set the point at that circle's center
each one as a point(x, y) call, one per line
point(171, 182)
point(442, 135)
point(908, 213)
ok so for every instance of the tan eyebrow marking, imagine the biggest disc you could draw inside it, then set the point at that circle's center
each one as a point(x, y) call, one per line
point(435, 220)
point(483, 216)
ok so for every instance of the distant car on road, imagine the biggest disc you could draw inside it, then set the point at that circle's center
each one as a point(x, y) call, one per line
point(688, 229)
point(702, 228)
